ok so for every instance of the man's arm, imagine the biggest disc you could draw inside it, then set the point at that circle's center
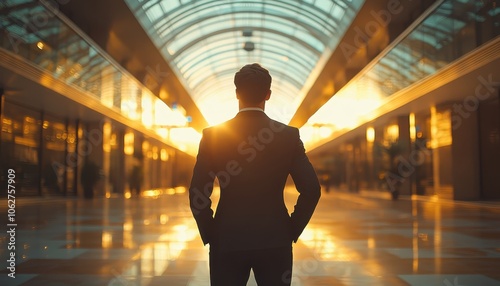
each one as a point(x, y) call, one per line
point(307, 184)
point(200, 190)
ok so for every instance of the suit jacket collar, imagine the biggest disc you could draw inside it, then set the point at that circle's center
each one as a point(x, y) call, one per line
point(251, 108)
point(251, 113)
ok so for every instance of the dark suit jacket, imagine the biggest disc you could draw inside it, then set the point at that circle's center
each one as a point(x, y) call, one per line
point(252, 155)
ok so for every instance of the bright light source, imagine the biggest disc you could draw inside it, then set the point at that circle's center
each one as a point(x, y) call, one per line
point(128, 147)
point(413, 129)
point(107, 239)
point(325, 131)
point(147, 110)
point(392, 132)
point(106, 140)
point(370, 134)
point(164, 155)
point(155, 152)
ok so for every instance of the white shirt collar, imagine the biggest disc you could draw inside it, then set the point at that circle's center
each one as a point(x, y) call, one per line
point(251, 108)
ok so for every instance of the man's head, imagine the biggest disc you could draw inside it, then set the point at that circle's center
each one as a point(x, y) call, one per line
point(253, 84)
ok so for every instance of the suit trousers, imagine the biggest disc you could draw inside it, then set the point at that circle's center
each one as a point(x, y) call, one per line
point(271, 266)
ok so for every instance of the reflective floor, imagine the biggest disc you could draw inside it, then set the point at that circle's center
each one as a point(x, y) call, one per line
point(352, 239)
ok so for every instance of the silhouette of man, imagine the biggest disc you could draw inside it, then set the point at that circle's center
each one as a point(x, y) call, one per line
point(251, 155)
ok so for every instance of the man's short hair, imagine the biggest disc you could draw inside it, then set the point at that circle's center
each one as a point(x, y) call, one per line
point(252, 82)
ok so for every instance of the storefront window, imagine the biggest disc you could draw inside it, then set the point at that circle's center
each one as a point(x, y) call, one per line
point(20, 148)
point(41, 149)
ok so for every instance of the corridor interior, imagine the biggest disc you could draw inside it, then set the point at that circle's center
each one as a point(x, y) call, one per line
point(352, 239)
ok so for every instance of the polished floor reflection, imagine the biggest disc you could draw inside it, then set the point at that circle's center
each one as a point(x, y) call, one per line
point(352, 239)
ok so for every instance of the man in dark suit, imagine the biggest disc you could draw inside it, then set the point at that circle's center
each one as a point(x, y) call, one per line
point(252, 155)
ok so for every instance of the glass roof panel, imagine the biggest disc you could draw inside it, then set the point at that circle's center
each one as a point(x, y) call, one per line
point(169, 5)
point(220, 50)
point(203, 41)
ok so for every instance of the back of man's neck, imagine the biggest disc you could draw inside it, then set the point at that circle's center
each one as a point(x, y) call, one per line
point(251, 106)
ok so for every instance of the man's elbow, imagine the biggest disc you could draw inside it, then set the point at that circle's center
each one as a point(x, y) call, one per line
point(314, 193)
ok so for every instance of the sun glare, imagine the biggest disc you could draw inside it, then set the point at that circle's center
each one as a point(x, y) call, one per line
point(217, 112)
point(347, 109)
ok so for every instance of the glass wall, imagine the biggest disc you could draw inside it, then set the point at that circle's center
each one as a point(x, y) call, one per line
point(47, 154)
point(449, 32)
point(20, 149)
point(36, 146)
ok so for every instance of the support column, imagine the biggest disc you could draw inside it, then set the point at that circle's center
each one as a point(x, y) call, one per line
point(93, 139)
point(106, 160)
point(120, 167)
point(465, 151)
point(405, 148)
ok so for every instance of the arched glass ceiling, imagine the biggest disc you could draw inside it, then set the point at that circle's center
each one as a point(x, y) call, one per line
point(203, 42)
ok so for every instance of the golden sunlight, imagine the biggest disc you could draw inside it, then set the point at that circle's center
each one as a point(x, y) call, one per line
point(349, 108)
point(219, 111)
point(107, 239)
point(185, 138)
